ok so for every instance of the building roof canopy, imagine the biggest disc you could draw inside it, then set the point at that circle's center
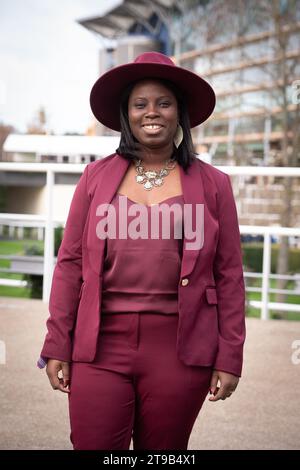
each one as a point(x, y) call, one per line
point(120, 19)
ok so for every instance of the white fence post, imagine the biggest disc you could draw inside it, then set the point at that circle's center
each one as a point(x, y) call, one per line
point(2, 352)
point(49, 237)
point(265, 276)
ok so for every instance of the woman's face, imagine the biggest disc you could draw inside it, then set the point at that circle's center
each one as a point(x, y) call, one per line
point(152, 114)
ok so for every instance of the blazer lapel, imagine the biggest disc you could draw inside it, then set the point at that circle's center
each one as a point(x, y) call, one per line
point(193, 193)
point(112, 175)
point(111, 178)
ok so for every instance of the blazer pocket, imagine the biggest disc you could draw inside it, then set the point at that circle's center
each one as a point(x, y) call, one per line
point(211, 295)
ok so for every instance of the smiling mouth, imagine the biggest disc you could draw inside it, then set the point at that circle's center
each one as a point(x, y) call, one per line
point(152, 127)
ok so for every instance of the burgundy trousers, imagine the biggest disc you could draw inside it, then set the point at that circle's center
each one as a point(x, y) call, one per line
point(136, 388)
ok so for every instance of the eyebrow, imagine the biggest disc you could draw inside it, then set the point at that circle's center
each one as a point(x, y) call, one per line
point(160, 97)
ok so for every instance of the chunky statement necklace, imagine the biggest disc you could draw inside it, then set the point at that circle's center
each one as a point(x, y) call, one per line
point(152, 178)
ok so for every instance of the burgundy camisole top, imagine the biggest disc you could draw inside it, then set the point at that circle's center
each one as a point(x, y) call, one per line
point(142, 274)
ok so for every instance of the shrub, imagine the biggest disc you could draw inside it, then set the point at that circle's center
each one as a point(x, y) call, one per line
point(35, 281)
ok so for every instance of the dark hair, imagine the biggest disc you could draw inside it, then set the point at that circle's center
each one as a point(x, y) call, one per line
point(185, 153)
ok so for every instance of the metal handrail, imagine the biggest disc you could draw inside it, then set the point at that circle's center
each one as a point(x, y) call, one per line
point(267, 231)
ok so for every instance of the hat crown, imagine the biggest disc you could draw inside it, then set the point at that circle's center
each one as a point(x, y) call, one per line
point(153, 58)
point(107, 91)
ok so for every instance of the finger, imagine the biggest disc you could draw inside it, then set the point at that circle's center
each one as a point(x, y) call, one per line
point(62, 387)
point(214, 383)
point(56, 382)
point(219, 394)
point(226, 392)
point(66, 373)
point(214, 394)
point(223, 393)
point(229, 390)
point(58, 385)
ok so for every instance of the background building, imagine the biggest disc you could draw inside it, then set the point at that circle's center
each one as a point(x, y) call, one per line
point(252, 62)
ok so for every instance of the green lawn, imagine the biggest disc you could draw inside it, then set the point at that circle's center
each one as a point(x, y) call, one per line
point(293, 299)
point(10, 247)
point(15, 247)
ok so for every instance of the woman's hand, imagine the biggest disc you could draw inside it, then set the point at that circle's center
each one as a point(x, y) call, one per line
point(52, 370)
point(228, 384)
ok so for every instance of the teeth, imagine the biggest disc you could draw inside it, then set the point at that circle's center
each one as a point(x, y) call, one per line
point(152, 126)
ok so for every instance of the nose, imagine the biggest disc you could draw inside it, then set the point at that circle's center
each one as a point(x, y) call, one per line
point(151, 111)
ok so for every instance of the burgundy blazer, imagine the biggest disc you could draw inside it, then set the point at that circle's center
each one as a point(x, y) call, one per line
point(211, 298)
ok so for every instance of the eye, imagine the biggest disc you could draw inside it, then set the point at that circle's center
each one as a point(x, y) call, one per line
point(165, 104)
point(139, 105)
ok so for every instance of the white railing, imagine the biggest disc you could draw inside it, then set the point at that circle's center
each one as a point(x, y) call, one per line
point(50, 169)
point(47, 221)
point(266, 275)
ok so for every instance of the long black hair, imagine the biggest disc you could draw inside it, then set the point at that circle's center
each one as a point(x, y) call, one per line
point(184, 154)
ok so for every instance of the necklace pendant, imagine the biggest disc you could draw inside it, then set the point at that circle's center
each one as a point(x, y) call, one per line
point(152, 178)
point(139, 178)
point(139, 169)
point(148, 185)
point(150, 174)
point(158, 181)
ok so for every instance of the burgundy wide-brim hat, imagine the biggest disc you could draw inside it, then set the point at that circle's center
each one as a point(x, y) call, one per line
point(106, 92)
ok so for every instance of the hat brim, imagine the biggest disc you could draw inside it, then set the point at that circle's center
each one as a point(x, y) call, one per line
point(106, 92)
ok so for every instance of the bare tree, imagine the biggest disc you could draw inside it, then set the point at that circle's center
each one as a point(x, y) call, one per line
point(281, 14)
point(206, 23)
point(39, 122)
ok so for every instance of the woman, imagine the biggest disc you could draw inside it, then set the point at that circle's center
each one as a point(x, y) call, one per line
point(141, 326)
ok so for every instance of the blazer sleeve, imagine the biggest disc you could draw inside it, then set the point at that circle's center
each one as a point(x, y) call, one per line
point(67, 278)
point(228, 273)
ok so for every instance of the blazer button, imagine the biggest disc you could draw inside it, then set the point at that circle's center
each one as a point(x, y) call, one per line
point(184, 282)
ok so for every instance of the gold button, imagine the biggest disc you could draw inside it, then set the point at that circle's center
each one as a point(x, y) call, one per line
point(184, 282)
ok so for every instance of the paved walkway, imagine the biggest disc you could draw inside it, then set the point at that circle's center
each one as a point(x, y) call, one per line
point(264, 412)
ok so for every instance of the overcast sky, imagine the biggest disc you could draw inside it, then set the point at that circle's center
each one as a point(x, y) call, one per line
point(47, 59)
